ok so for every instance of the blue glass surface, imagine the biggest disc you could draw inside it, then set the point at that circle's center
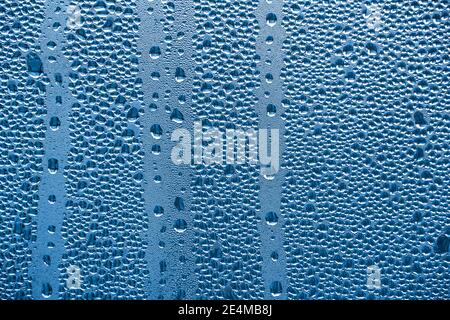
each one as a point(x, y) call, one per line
point(92, 205)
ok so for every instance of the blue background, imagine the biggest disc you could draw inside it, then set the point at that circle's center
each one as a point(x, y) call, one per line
point(86, 178)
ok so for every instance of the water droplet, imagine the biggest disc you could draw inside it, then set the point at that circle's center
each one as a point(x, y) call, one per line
point(271, 218)
point(180, 75)
point(52, 165)
point(180, 225)
point(271, 19)
point(155, 52)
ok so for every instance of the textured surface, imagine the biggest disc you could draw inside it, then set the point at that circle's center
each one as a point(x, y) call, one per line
point(91, 90)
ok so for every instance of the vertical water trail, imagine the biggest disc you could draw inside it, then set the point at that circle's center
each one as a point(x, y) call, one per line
point(52, 198)
point(270, 113)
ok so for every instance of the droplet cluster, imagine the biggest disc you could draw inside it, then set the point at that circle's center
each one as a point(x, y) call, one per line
point(225, 197)
point(22, 132)
point(367, 158)
point(105, 223)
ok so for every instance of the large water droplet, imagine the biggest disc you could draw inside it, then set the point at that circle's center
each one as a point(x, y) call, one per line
point(271, 19)
point(180, 225)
